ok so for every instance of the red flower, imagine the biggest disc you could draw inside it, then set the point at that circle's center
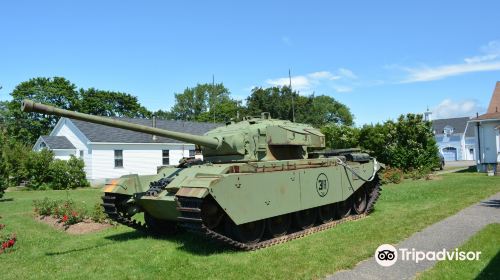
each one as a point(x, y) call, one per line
point(5, 245)
point(11, 243)
point(65, 218)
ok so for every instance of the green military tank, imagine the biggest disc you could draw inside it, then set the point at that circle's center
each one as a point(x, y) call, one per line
point(261, 182)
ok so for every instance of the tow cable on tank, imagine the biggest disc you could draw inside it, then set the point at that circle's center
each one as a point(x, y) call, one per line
point(375, 164)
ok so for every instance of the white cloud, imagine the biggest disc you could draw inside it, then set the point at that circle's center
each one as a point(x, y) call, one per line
point(298, 82)
point(322, 75)
point(488, 60)
point(307, 83)
point(490, 52)
point(347, 73)
point(450, 109)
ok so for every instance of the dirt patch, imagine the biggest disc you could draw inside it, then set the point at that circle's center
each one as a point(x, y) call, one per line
point(78, 228)
point(433, 177)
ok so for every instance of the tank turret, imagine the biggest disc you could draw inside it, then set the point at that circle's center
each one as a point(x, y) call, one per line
point(252, 139)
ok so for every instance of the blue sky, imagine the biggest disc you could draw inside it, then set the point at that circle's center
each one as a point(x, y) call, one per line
point(380, 58)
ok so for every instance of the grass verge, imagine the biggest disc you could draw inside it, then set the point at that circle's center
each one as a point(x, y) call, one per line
point(487, 241)
point(122, 253)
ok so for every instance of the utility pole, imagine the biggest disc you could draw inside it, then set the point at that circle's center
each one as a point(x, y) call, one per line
point(290, 85)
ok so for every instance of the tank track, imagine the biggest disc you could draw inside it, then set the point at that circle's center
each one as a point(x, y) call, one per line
point(109, 204)
point(157, 187)
point(190, 209)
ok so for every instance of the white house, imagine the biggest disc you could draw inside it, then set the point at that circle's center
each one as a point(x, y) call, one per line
point(488, 138)
point(455, 138)
point(110, 152)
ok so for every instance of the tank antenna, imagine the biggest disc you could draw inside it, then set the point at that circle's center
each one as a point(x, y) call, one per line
point(290, 85)
point(213, 94)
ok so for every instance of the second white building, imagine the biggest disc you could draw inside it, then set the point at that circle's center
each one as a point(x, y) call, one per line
point(110, 152)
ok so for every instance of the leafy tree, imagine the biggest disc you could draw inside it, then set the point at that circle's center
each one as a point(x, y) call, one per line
point(224, 111)
point(326, 109)
point(166, 115)
point(59, 92)
point(3, 166)
point(275, 100)
point(110, 104)
point(56, 91)
point(204, 102)
point(315, 110)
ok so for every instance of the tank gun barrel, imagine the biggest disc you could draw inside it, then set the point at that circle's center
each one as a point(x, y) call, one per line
point(30, 106)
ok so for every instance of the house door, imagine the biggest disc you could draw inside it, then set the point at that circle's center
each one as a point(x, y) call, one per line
point(450, 154)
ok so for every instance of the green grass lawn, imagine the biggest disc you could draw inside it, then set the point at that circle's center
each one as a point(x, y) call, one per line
point(122, 253)
point(487, 267)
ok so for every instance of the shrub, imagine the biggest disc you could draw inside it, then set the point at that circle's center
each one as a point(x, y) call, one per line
point(46, 207)
point(7, 241)
point(392, 175)
point(3, 186)
point(407, 144)
point(340, 136)
point(97, 215)
point(67, 212)
point(36, 167)
point(417, 174)
point(67, 174)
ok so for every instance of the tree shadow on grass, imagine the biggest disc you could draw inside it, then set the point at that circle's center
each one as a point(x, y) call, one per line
point(492, 270)
point(188, 242)
point(6, 199)
point(495, 203)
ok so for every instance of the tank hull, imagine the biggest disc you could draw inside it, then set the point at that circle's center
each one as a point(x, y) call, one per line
point(246, 193)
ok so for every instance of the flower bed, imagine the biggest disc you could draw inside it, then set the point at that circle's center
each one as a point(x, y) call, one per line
point(7, 240)
point(67, 215)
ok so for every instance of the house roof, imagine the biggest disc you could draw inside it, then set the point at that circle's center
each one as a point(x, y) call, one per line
point(101, 133)
point(494, 106)
point(493, 112)
point(57, 142)
point(459, 125)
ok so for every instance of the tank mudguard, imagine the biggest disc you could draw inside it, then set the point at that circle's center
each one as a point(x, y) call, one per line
point(248, 197)
point(133, 183)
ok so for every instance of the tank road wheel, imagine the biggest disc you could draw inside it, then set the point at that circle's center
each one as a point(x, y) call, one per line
point(343, 208)
point(326, 213)
point(305, 219)
point(248, 233)
point(359, 201)
point(211, 214)
point(279, 225)
point(157, 226)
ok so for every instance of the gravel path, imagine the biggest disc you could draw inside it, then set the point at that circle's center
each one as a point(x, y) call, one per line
point(448, 234)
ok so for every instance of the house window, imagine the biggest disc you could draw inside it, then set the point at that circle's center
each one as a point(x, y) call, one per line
point(191, 153)
point(118, 158)
point(165, 154)
point(81, 153)
point(448, 130)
